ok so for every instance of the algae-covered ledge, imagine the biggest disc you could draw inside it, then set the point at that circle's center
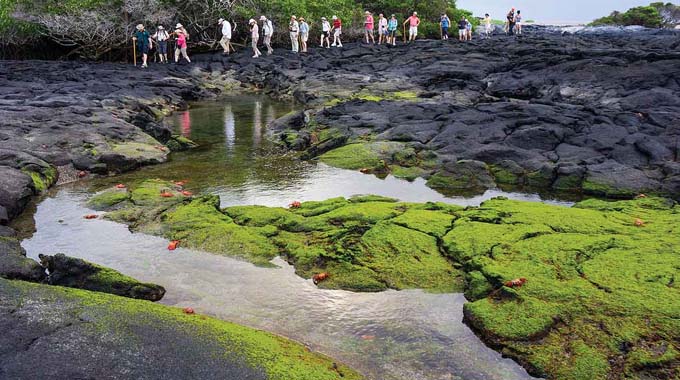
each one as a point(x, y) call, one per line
point(601, 277)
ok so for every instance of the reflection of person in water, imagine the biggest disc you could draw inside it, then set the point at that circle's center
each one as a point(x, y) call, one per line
point(186, 124)
point(257, 124)
point(229, 127)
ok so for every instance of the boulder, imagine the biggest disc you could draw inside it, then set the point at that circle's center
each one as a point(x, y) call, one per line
point(14, 264)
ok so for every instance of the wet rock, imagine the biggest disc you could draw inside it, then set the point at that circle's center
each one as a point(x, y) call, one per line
point(16, 189)
point(77, 273)
point(15, 265)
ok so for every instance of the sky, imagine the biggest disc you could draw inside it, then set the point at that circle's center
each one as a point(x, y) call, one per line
point(545, 11)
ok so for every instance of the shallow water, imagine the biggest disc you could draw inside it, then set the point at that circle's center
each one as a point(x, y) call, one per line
point(388, 335)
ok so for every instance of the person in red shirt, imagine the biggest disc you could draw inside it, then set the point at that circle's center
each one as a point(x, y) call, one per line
point(337, 31)
point(413, 22)
point(368, 27)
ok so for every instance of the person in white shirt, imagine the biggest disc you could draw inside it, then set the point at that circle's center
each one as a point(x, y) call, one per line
point(268, 29)
point(294, 29)
point(255, 36)
point(325, 32)
point(382, 29)
point(487, 25)
point(226, 35)
point(161, 36)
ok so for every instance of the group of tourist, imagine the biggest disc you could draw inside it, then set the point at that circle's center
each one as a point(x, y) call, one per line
point(299, 31)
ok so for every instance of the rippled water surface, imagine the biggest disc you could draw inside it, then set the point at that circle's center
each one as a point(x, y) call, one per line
point(388, 335)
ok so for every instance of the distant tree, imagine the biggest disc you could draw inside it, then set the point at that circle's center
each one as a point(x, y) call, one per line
point(655, 15)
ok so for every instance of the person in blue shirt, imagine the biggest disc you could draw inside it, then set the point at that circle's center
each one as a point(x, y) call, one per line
point(143, 41)
point(304, 34)
point(392, 30)
point(445, 23)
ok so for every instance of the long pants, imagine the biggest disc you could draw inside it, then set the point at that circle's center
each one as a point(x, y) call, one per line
point(225, 43)
point(294, 41)
point(184, 54)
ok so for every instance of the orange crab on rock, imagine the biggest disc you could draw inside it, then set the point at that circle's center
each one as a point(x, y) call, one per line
point(317, 278)
point(166, 194)
point(91, 216)
point(295, 204)
point(639, 222)
point(120, 186)
point(516, 283)
point(173, 245)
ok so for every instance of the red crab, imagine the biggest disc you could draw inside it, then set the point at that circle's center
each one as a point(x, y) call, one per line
point(295, 204)
point(166, 194)
point(91, 216)
point(639, 222)
point(120, 186)
point(640, 196)
point(516, 283)
point(188, 310)
point(187, 193)
point(82, 174)
point(317, 278)
point(181, 183)
point(173, 245)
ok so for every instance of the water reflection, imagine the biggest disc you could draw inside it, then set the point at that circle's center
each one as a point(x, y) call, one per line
point(186, 124)
point(229, 128)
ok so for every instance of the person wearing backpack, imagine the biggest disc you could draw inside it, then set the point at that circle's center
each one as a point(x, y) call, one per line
point(161, 36)
point(268, 29)
point(143, 41)
point(226, 35)
point(294, 29)
point(445, 22)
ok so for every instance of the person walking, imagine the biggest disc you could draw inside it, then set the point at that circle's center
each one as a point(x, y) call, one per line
point(268, 29)
point(182, 37)
point(518, 22)
point(511, 22)
point(294, 29)
point(392, 30)
point(161, 37)
point(325, 33)
point(487, 25)
point(413, 22)
point(143, 41)
point(445, 23)
point(337, 31)
point(468, 29)
point(462, 29)
point(255, 36)
point(226, 35)
point(304, 34)
point(369, 26)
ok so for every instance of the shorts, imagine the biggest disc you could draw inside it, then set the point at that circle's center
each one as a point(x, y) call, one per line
point(413, 31)
point(144, 49)
point(337, 32)
point(392, 33)
point(384, 32)
point(445, 30)
point(162, 47)
point(368, 31)
point(304, 37)
point(326, 34)
point(462, 32)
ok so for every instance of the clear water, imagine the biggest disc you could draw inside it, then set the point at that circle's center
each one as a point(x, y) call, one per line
point(389, 335)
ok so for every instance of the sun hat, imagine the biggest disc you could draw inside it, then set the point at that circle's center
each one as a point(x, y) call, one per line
point(302, 19)
point(335, 17)
point(415, 13)
point(221, 20)
point(252, 21)
point(140, 26)
point(293, 17)
point(178, 26)
point(367, 12)
point(160, 27)
point(323, 18)
point(262, 18)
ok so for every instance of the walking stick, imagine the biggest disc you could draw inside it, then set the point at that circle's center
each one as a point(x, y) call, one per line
point(134, 53)
point(441, 32)
point(404, 33)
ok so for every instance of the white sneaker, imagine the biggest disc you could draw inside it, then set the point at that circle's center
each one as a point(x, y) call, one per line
point(334, 45)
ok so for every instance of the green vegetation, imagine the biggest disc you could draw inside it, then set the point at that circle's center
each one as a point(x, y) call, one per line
point(107, 199)
point(126, 320)
point(601, 300)
point(655, 15)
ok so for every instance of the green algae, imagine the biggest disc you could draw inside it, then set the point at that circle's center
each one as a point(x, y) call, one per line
point(126, 319)
point(107, 199)
point(43, 179)
point(599, 288)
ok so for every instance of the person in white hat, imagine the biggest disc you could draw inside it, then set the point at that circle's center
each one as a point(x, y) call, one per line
point(268, 29)
point(337, 31)
point(226, 35)
point(369, 25)
point(413, 22)
point(294, 29)
point(182, 37)
point(304, 34)
point(325, 33)
point(143, 41)
point(161, 36)
point(255, 36)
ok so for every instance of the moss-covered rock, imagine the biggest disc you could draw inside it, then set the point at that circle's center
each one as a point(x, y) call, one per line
point(167, 342)
point(108, 199)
